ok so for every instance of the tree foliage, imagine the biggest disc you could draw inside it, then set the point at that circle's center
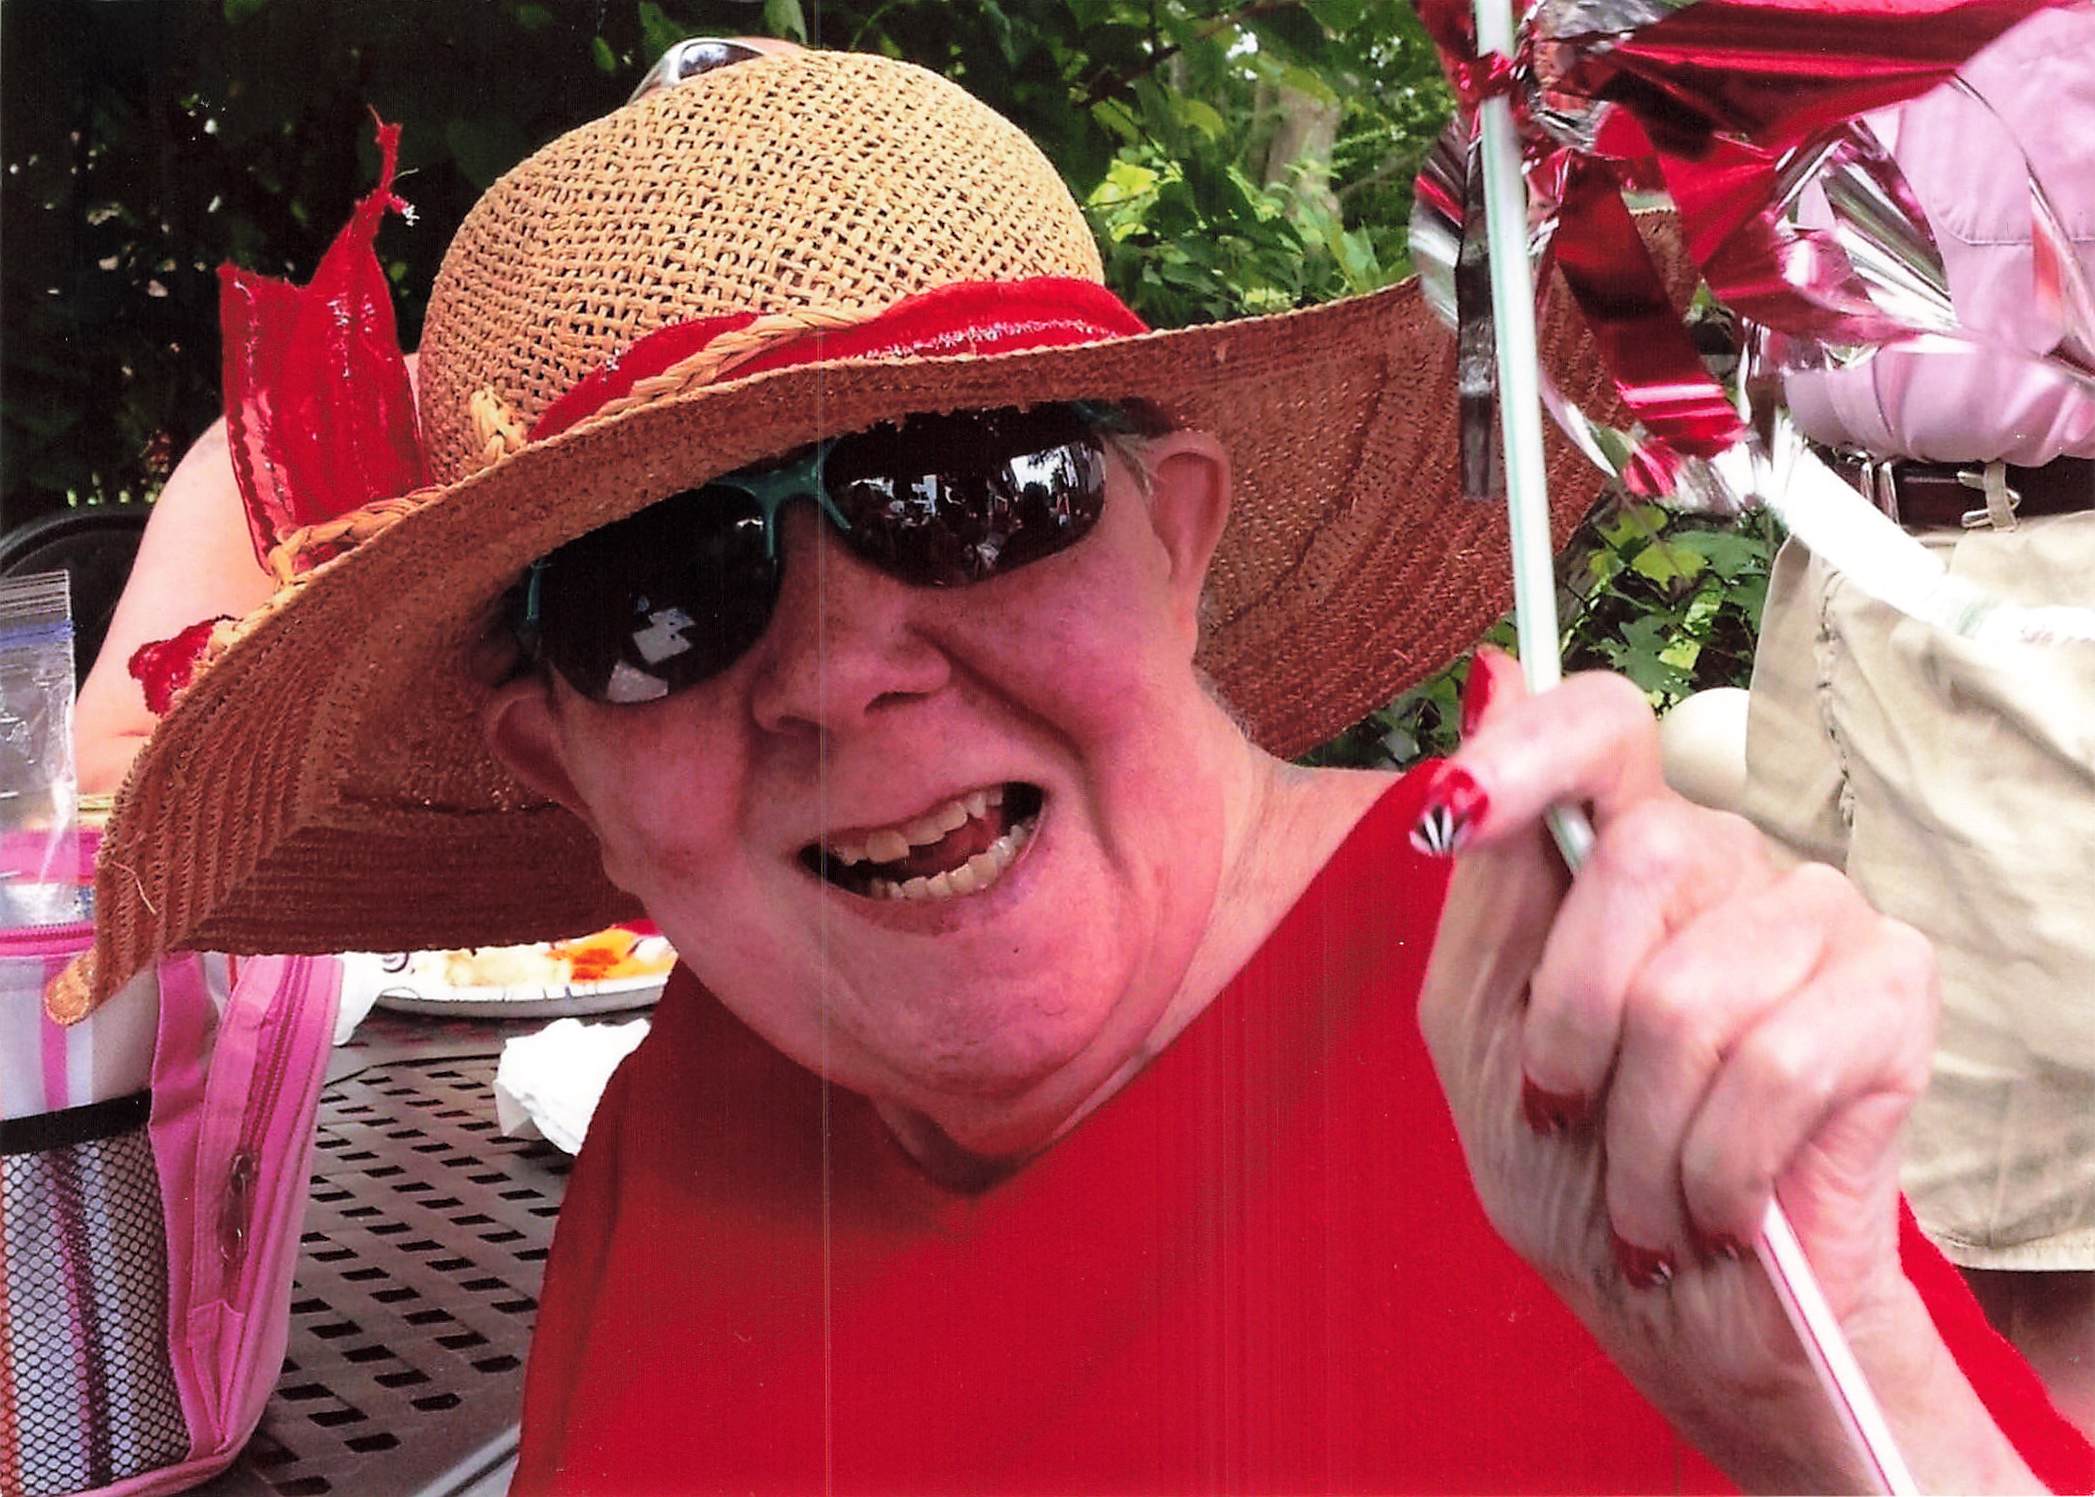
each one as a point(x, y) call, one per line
point(148, 142)
point(1672, 601)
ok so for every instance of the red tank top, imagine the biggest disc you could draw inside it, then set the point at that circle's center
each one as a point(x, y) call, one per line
point(1259, 1267)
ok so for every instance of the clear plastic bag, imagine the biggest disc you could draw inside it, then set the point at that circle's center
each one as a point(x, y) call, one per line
point(42, 881)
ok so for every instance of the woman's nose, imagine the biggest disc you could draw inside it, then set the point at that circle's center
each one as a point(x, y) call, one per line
point(844, 645)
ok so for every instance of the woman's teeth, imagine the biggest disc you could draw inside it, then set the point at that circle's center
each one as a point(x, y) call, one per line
point(961, 847)
point(971, 877)
point(891, 844)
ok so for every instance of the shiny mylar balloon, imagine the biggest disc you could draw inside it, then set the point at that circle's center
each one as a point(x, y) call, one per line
point(1708, 122)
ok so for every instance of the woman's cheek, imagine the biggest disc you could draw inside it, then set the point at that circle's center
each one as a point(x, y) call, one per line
point(656, 830)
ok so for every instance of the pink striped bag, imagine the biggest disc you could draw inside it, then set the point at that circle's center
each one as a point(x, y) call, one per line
point(153, 1169)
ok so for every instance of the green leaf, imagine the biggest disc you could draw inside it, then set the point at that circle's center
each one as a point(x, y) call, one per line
point(533, 18)
point(1603, 566)
point(1748, 595)
point(658, 33)
point(1202, 116)
point(1118, 118)
point(237, 11)
point(1354, 254)
point(1731, 554)
point(1681, 654)
point(1633, 523)
point(1261, 204)
point(785, 18)
point(1307, 81)
point(1704, 608)
point(1339, 16)
point(484, 148)
point(1000, 26)
point(1642, 657)
point(601, 54)
point(1666, 563)
point(1130, 179)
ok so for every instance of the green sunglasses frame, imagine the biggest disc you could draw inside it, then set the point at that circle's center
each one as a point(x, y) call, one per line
point(772, 485)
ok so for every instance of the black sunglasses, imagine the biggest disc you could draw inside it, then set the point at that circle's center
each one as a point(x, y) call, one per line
point(668, 597)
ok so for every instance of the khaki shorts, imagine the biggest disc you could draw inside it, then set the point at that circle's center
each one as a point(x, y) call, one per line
point(1956, 785)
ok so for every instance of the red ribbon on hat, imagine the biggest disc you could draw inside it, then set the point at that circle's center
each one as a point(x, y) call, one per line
point(1712, 98)
point(977, 319)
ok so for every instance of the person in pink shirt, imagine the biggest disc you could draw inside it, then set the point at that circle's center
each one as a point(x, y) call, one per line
point(1956, 783)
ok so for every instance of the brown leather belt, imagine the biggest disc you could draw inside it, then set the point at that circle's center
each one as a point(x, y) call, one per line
point(1932, 496)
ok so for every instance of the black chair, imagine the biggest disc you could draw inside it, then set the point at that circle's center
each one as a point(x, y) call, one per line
point(94, 546)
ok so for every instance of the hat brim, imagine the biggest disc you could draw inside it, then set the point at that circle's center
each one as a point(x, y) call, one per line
point(325, 786)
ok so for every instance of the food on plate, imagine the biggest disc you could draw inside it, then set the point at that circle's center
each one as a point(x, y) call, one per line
point(623, 951)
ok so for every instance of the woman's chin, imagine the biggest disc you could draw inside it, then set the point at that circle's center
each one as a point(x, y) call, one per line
point(1001, 1071)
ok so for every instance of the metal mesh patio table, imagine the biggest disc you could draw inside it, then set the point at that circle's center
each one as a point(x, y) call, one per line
point(418, 1276)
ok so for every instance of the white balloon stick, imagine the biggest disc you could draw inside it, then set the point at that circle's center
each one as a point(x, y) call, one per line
point(1535, 604)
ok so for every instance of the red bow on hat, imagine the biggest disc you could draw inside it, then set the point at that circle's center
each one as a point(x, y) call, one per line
point(304, 454)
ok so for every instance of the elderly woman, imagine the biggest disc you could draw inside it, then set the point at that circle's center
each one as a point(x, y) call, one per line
point(1063, 1092)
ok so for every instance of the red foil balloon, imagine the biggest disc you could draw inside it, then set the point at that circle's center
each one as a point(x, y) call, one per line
point(1716, 100)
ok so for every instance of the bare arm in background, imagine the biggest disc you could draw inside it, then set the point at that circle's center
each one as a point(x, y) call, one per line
point(195, 562)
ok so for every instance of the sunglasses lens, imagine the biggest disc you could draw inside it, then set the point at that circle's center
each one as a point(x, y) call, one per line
point(942, 501)
point(661, 600)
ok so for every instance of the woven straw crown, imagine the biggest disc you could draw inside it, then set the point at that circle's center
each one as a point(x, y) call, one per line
point(821, 182)
point(325, 787)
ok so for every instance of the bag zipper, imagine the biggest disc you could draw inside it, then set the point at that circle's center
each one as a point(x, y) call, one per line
point(41, 940)
point(235, 1220)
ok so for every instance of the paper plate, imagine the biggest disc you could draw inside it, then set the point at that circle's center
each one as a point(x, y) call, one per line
point(402, 989)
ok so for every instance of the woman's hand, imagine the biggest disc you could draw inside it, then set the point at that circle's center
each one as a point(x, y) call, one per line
point(1637, 1062)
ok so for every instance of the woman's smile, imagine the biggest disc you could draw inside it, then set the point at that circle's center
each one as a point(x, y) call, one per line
point(961, 846)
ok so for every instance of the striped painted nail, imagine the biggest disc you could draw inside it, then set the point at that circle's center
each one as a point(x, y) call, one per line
point(1641, 1268)
point(1454, 806)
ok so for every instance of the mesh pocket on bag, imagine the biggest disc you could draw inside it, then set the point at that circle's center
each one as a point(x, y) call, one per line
point(87, 1396)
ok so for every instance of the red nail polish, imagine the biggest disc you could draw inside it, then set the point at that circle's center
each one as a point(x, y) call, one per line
point(1641, 1268)
point(1455, 804)
point(1720, 1245)
point(1550, 1114)
point(1476, 692)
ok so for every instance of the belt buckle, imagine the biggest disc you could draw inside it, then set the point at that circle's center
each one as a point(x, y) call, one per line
point(1984, 479)
point(1879, 486)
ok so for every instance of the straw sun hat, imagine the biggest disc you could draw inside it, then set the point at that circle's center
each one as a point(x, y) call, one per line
point(323, 786)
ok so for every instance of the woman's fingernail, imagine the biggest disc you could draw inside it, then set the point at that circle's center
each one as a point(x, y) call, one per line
point(1641, 1268)
point(1454, 807)
point(1719, 1245)
point(1476, 692)
point(1550, 1114)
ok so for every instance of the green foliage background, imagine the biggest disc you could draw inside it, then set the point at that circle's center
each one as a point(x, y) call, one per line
point(146, 141)
point(1233, 158)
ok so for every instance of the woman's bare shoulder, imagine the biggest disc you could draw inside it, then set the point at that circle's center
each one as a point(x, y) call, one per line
point(1335, 800)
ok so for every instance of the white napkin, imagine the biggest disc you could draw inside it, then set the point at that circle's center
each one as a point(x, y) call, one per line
point(364, 977)
point(547, 1083)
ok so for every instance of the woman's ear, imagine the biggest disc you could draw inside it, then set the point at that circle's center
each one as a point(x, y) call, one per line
point(1188, 506)
point(521, 724)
